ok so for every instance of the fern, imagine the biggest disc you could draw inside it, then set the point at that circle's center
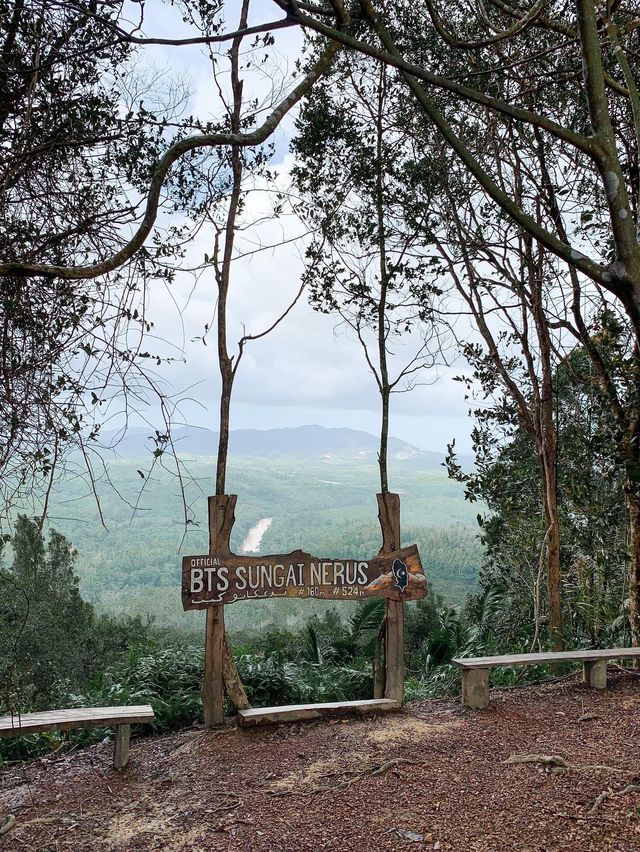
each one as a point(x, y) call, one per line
point(313, 644)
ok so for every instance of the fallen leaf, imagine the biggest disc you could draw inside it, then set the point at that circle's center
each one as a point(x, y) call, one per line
point(409, 835)
point(588, 717)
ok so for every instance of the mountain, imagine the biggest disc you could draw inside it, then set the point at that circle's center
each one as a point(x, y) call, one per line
point(306, 441)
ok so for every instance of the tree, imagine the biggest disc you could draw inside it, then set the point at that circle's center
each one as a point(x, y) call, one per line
point(366, 261)
point(505, 65)
point(75, 140)
point(156, 164)
point(591, 481)
point(425, 54)
point(591, 507)
point(224, 184)
point(511, 289)
point(81, 143)
point(46, 627)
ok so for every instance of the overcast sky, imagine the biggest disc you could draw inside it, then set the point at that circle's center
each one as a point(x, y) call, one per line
point(310, 369)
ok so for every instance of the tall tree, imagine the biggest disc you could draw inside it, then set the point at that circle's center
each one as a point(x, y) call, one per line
point(366, 263)
point(224, 183)
point(75, 143)
point(511, 290)
point(565, 71)
point(83, 163)
point(591, 507)
point(45, 624)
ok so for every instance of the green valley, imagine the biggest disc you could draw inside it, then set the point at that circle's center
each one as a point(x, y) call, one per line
point(322, 499)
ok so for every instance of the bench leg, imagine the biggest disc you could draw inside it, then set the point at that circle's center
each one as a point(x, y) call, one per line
point(121, 746)
point(475, 688)
point(594, 674)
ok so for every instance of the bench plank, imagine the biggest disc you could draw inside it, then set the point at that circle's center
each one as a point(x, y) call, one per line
point(546, 657)
point(77, 717)
point(300, 712)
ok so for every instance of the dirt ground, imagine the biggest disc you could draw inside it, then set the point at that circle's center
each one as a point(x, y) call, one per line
point(431, 777)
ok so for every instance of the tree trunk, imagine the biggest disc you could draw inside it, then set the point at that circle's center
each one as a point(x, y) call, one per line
point(226, 373)
point(384, 427)
point(633, 502)
point(546, 436)
point(554, 574)
point(232, 682)
point(213, 684)
point(219, 666)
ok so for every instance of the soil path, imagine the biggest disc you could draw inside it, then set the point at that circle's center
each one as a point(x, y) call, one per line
point(431, 777)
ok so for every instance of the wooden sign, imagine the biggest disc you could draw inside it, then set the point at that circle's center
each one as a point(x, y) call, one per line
point(225, 578)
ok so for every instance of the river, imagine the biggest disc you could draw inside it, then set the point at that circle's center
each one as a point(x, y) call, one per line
point(253, 539)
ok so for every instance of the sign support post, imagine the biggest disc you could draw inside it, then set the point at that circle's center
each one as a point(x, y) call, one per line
point(221, 518)
point(389, 517)
point(213, 686)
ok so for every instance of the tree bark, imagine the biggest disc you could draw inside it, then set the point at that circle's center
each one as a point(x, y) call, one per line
point(554, 574)
point(220, 670)
point(231, 678)
point(213, 684)
point(547, 436)
point(633, 503)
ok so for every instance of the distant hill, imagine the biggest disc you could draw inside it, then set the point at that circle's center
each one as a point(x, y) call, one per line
point(317, 486)
point(306, 441)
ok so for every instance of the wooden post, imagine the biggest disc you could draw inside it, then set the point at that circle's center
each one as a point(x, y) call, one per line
point(394, 657)
point(121, 746)
point(221, 518)
point(389, 517)
point(213, 687)
point(594, 673)
point(210, 580)
point(475, 688)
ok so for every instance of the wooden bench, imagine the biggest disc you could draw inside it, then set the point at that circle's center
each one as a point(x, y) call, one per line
point(302, 712)
point(475, 670)
point(120, 718)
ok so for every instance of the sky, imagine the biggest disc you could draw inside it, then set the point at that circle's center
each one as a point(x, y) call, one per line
point(311, 368)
